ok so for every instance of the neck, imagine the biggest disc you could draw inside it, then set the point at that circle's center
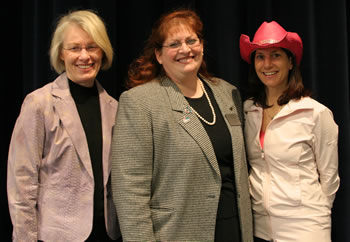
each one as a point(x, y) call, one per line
point(87, 83)
point(190, 87)
point(272, 96)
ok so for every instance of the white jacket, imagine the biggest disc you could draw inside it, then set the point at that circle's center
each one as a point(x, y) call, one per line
point(295, 175)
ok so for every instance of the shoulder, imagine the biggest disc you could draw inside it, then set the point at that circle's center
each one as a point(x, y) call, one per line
point(223, 88)
point(36, 105)
point(221, 83)
point(249, 105)
point(145, 89)
point(310, 103)
point(43, 97)
point(149, 92)
point(40, 96)
point(104, 95)
point(319, 114)
point(151, 86)
point(317, 105)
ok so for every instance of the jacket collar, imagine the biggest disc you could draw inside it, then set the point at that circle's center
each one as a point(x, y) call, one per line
point(179, 102)
point(291, 107)
point(65, 106)
point(188, 119)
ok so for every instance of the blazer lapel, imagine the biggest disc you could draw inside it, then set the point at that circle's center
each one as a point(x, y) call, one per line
point(230, 114)
point(108, 112)
point(189, 121)
point(68, 113)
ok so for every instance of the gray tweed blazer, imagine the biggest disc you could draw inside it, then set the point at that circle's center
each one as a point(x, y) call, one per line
point(165, 177)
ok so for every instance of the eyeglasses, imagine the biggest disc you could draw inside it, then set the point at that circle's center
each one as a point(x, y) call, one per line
point(91, 49)
point(176, 45)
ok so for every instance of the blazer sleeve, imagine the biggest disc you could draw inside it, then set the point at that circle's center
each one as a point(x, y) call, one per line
point(25, 152)
point(326, 151)
point(132, 159)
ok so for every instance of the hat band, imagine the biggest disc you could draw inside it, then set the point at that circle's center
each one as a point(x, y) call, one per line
point(267, 41)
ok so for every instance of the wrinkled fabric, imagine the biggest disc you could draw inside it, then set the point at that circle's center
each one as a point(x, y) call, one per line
point(165, 176)
point(50, 181)
point(294, 178)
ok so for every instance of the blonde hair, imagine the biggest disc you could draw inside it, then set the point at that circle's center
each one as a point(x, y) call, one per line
point(91, 23)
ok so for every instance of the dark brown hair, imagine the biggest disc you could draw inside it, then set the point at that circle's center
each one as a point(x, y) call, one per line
point(295, 87)
point(146, 67)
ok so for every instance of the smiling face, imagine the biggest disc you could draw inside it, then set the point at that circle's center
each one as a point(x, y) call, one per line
point(81, 56)
point(272, 66)
point(185, 61)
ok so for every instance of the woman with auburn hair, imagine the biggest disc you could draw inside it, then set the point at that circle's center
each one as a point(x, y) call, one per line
point(179, 169)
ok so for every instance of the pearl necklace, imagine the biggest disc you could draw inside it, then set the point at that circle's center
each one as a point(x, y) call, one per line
point(211, 107)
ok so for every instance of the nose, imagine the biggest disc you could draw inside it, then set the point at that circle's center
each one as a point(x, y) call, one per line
point(84, 54)
point(184, 48)
point(267, 62)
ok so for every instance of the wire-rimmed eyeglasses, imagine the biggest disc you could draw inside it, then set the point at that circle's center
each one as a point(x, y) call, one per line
point(176, 45)
point(91, 49)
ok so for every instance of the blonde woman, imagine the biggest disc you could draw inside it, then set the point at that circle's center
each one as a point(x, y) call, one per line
point(58, 165)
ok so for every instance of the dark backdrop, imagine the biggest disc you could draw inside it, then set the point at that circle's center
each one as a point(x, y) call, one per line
point(322, 24)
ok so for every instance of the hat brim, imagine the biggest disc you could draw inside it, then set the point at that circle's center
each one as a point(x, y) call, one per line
point(291, 41)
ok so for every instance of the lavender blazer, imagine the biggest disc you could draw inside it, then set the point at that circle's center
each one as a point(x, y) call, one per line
point(50, 181)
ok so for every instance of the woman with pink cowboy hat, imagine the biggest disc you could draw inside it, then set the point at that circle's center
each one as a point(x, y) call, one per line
point(291, 142)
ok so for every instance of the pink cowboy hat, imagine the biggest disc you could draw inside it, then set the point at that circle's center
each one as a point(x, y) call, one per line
point(271, 35)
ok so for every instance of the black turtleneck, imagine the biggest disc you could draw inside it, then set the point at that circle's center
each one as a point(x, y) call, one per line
point(88, 105)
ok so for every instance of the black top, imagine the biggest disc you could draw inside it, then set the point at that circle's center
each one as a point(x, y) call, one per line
point(227, 216)
point(88, 105)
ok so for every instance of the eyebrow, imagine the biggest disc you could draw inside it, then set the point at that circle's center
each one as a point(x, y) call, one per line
point(77, 43)
point(173, 39)
point(273, 51)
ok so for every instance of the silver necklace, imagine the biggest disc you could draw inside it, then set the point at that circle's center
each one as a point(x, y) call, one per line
point(273, 116)
point(211, 107)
